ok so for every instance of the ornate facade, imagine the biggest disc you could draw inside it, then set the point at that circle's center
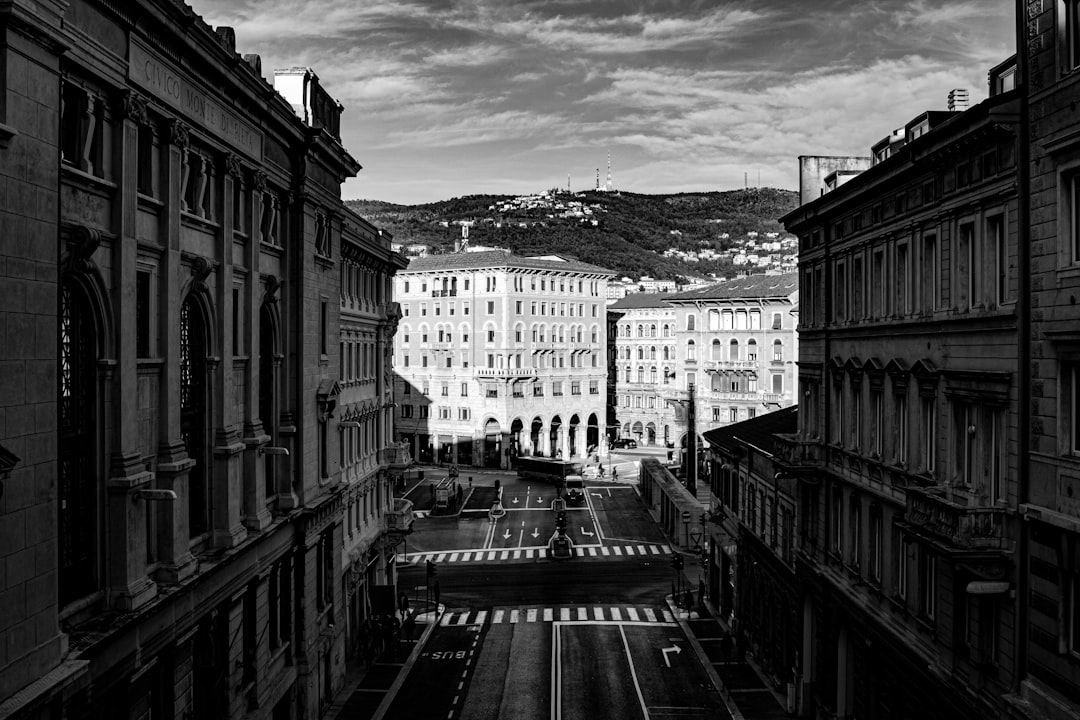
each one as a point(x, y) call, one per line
point(499, 355)
point(907, 451)
point(733, 345)
point(175, 501)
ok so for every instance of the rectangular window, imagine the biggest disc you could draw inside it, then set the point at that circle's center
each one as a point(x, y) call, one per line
point(1072, 33)
point(928, 585)
point(997, 246)
point(491, 307)
point(900, 431)
point(1071, 210)
point(874, 554)
point(518, 305)
point(929, 433)
point(966, 291)
point(464, 389)
point(903, 294)
point(237, 318)
point(837, 525)
point(324, 326)
point(900, 547)
point(964, 439)
point(445, 390)
point(425, 411)
point(876, 418)
point(855, 531)
point(406, 411)
point(594, 387)
point(143, 312)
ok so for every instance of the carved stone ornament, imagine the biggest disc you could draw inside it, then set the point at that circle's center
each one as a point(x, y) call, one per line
point(273, 284)
point(133, 106)
point(232, 166)
point(200, 270)
point(179, 134)
point(258, 181)
point(86, 242)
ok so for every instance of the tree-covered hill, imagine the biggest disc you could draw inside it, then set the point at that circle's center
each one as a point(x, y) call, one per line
point(625, 232)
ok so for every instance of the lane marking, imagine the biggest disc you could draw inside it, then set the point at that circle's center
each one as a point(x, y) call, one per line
point(513, 617)
point(632, 614)
point(598, 613)
point(466, 556)
point(655, 550)
point(556, 674)
point(547, 614)
point(617, 550)
point(529, 553)
point(616, 615)
point(564, 615)
point(504, 555)
point(442, 556)
point(453, 557)
point(605, 551)
point(592, 552)
point(498, 617)
point(668, 617)
point(582, 613)
point(480, 618)
point(633, 673)
point(641, 550)
point(650, 615)
point(464, 619)
point(446, 619)
point(517, 554)
point(629, 550)
point(491, 555)
point(530, 615)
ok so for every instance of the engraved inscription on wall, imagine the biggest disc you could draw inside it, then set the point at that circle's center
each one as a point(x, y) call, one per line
point(173, 87)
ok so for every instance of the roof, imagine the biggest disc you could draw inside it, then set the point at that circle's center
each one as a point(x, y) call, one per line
point(640, 300)
point(758, 431)
point(500, 259)
point(749, 286)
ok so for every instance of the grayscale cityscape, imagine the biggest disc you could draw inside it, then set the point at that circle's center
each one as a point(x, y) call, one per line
point(539, 360)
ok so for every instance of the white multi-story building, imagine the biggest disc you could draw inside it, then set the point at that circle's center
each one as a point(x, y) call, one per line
point(498, 356)
point(732, 344)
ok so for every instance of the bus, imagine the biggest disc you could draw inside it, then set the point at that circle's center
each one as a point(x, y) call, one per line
point(557, 473)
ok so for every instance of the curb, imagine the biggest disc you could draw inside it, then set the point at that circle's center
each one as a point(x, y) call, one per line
point(392, 691)
point(721, 689)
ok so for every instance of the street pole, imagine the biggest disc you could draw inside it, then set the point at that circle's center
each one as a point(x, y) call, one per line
point(691, 469)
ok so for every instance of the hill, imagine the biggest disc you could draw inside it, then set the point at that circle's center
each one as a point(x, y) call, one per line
point(625, 232)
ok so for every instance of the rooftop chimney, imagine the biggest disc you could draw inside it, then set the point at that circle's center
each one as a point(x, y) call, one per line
point(958, 100)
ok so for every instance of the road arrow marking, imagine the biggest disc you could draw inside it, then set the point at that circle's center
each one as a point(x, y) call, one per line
point(515, 501)
point(507, 535)
point(598, 494)
point(586, 533)
point(535, 533)
point(539, 501)
point(675, 649)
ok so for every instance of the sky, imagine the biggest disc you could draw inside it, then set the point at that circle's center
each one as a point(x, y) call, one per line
point(445, 98)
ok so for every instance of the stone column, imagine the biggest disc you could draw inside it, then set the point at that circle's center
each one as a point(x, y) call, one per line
point(127, 515)
point(225, 522)
point(173, 461)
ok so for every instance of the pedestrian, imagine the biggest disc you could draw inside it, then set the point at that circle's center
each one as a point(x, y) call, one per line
point(403, 604)
point(615, 474)
point(461, 492)
point(601, 471)
point(470, 482)
point(701, 596)
point(432, 488)
point(726, 644)
point(407, 628)
point(689, 600)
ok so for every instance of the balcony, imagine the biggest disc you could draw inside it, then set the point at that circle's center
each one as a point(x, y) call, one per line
point(962, 526)
point(400, 519)
point(395, 457)
point(743, 396)
point(777, 398)
point(798, 451)
point(504, 373)
point(442, 346)
point(444, 293)
point(716, 365)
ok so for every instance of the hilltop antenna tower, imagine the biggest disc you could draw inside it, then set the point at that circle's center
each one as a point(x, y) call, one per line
point(568, 182)
point(597, 178)
point(607, 185)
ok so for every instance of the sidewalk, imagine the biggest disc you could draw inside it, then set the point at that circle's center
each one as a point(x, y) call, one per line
point(745, 690)
point(369, 688)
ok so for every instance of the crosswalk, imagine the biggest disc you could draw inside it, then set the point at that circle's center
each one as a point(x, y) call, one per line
point(533, 553)
point(591, 614)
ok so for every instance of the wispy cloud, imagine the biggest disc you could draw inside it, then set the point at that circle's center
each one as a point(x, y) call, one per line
point(466, 94)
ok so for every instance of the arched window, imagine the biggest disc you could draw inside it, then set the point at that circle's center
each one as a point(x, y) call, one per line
point(641, 353)
point(79, 495)
point(716, 351)
point(668, 375)
point(640, 330)
point(777, 351)
point(751, 350)
point(753, 383)
point(667, 353)
point(652, 330)
point(652, 375)
point(629, 377)
point(733, 352)
point(691, 322)
point(193, 404)
point(691, 350)
point(714, 320)
point(652, 352)
point(268, 413)
point(667, 330)
point(641, 374)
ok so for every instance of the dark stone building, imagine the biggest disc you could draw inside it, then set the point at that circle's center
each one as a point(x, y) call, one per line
point(907, 447)
point(177, 509)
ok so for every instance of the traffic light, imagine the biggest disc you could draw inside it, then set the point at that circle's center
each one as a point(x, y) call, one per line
point(430, 568)
point(677, 561)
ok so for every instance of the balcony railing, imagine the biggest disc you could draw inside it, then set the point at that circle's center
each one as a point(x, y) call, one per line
point(400, 519)
point(726, 395)
point(504, 372)
point(796, 450)
point(772, 397)
point(444, 293)
point(961, 525)
point(396, 456)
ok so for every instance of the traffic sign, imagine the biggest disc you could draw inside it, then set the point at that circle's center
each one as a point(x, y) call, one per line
point(686, 516)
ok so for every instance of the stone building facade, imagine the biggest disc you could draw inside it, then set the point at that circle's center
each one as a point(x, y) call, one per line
point(735, 343)
point(499, 356)
point(174, 509)
point(1049, 494)
point(907, 452)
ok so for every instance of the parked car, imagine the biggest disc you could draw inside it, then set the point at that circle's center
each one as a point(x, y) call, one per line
point(628, 443)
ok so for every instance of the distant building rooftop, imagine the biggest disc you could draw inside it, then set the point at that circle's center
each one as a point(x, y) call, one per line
point(635, 301)
point(749, 286)
point(758, 432)
point(501, 259)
